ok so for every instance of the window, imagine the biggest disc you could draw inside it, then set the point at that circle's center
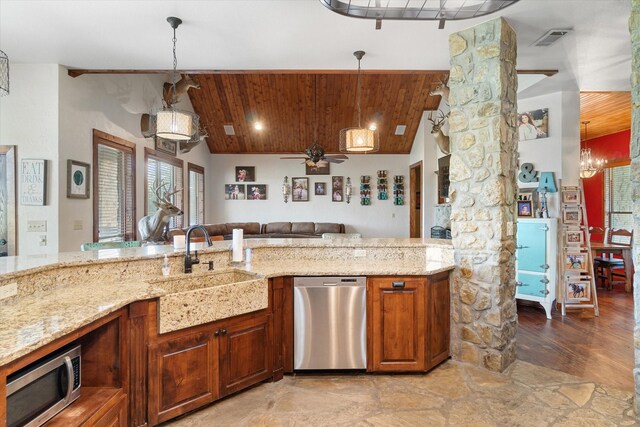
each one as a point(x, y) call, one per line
point(114, 192)
point(167, 171)
point(617, 198)
point(196, 194)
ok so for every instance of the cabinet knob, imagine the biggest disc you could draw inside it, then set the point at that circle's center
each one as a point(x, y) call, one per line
point(216, 333)
point(223, 331)
point(521, 247)
point(544, 266)
point(398, 285)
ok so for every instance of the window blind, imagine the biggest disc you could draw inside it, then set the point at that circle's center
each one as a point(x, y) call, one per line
point(196, 197)
point(170, 175)
point(115, 214)
point(617, 196)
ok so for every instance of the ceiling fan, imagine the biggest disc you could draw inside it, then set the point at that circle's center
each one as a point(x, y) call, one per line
point(315, 155)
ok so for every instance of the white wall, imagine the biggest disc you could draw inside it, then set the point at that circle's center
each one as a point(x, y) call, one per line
point(29, 119)
point(559, 153)
point(112, 104)
point(381, 219)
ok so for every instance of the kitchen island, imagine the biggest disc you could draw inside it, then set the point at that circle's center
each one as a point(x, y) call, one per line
point(113, 298)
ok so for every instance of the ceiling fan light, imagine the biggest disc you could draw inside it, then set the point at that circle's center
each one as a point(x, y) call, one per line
point(176, 124)
point(359, 140)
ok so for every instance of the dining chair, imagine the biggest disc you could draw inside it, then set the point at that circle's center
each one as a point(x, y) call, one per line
point(608, 268)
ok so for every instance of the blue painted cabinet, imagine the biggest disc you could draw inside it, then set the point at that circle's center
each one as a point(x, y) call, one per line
point(536, 258)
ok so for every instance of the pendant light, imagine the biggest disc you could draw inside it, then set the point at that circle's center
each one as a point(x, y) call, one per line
point(4, 74)
point(359, 139)
point(589, 166)
point(169, 122)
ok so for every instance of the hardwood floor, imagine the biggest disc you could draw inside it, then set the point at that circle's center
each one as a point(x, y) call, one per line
point(596, 348)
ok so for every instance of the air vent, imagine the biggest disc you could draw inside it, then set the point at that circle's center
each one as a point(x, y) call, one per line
point(400, 129)
point(229, 130)
point(550, 37)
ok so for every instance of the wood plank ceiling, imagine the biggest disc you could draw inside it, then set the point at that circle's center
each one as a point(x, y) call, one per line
point(607, 113)
point(290, 105)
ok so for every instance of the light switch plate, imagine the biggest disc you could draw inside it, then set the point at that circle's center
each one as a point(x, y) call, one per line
point(9, 290)
point(77, 224)
point(37, 226)
point(43, 240)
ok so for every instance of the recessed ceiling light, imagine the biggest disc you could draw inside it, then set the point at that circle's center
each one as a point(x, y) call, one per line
point(373, 126)
point(229, 130)
point(400, 129)
point(258, 126)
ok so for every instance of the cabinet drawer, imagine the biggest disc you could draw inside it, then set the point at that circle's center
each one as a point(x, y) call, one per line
point(531, 284)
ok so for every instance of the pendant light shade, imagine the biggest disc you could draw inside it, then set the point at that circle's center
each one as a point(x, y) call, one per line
point(359, 139)
point(169, 122)
point(175, 124)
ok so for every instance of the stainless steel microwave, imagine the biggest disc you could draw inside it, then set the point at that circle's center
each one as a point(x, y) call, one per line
point(39, 391)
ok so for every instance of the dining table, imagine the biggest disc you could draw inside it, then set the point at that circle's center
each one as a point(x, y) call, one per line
point(625, 251)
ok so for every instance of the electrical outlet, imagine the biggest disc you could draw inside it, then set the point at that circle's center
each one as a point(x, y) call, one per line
point(9, 290)
point(43, 240)
point(359, 253)
point(77, 224)
point(509, 228)
point(37, 226)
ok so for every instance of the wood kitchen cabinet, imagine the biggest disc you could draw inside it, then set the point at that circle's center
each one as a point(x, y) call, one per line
point(182, 373)
point(407, 322)
point(195, 366)
point(245, 353)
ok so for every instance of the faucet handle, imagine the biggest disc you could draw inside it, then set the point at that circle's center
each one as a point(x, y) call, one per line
point(210, 265)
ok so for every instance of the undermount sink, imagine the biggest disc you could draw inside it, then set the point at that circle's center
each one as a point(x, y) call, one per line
point(202, 298)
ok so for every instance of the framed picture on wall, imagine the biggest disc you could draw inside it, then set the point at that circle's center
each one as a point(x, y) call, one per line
point(245, 173)
point(337, 189)
point(577, 289)
point(576, 262)
point(533, 124)
point(234, 192)
point(320, 189)
point(33, 182)
point(256, 192)
point(524, 208)
point(571, 216)
point(574, 237)
point(78, 179)
point(570, 196)
point(166, 146)
point(320, 168)
point(300, 189)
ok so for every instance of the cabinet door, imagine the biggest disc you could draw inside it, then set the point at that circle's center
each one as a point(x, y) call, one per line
point(531, 284)
point(532, 246)
point(396, 324)
point(246, 355)
point(181, 375)
point(115, 417)
point(438, 319)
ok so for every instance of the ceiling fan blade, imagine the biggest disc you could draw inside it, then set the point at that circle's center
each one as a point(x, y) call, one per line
point(334, 160)
point(338, 156)
point(301, 157)
point(310, 163)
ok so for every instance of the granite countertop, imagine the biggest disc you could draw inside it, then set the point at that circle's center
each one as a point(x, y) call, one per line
point(30, 322)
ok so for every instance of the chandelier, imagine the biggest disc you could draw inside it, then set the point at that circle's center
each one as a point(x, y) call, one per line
point(169, 122)
point(4, 74)
point(589, 166)
point(359, 139)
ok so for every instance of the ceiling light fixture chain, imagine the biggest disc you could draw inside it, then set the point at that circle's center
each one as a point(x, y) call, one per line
point(174, 22)
point(359, 54)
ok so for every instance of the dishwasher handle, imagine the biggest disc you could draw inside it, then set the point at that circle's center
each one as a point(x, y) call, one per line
point(398, 285)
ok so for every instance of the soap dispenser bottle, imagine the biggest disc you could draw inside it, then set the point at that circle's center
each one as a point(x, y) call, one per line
point(166, 267)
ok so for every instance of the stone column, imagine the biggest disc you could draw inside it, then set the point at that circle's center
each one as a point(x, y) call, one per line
point(634, 29)
point(484, 144)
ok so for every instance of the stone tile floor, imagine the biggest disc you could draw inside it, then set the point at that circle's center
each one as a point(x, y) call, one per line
point(454, 394)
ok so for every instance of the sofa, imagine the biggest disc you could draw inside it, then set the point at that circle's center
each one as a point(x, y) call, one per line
point(270, 230)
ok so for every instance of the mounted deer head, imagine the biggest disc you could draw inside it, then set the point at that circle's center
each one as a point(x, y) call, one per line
point(441, 139)
point(442, 89)
point(186, 146)
point(151, 228)
point(185, 83)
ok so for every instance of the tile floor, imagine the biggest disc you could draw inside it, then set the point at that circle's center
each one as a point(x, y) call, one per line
point(454, 394)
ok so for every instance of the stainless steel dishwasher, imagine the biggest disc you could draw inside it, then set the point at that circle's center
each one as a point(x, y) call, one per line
point(329, 322)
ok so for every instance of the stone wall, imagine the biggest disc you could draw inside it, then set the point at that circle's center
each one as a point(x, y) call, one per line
point(634, 29)
point(484, 139)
